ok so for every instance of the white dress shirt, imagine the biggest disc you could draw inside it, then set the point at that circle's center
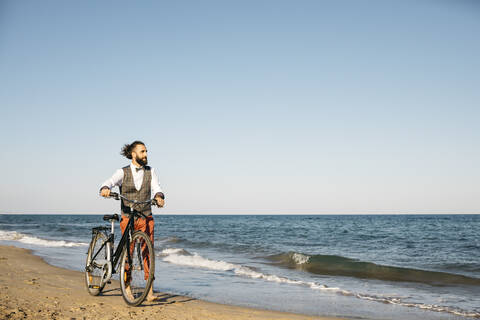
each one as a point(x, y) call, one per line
point(117, 179)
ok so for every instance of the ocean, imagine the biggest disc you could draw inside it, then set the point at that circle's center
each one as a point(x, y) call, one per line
point(353, 266)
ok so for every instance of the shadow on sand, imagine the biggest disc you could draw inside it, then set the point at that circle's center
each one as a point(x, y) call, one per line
point(162, 299)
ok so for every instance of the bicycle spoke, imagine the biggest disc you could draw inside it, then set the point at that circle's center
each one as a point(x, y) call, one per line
point(94, 272)
point(137, 275)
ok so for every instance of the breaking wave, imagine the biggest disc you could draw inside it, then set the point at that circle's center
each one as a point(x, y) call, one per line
point(28, 239)
point(182, 257)
point(341, 266)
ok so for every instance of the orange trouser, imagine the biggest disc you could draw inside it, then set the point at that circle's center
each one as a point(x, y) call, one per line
point(147, 226)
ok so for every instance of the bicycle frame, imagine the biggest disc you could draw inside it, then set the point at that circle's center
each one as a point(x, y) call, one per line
point(124, 242)
point(110, 264)
point(133, 258)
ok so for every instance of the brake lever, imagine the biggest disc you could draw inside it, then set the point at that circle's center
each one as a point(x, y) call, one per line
point(114, 195)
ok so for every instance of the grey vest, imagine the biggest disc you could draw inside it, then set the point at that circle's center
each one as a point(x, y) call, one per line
point(128, 190)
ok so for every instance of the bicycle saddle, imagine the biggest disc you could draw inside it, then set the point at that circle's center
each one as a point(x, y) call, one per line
point(109, 217)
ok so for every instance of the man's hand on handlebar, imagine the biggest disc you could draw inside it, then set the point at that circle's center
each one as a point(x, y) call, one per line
point(105, 192)
point(159, 201)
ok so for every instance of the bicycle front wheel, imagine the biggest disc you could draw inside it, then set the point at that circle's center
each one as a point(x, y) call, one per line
point(94, 268)
point(137, 269)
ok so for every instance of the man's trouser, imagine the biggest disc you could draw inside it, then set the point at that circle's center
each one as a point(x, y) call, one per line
point(147, 226)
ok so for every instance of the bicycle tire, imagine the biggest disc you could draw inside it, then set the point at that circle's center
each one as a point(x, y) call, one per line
point(134, 276)
point(93, 278)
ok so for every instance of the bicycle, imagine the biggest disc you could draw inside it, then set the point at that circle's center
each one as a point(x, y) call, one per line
point(137, 265)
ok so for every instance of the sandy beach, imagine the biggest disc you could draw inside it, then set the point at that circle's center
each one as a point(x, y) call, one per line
point(33, 289)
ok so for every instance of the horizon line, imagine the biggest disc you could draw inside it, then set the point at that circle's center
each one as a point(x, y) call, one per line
point(247, 213)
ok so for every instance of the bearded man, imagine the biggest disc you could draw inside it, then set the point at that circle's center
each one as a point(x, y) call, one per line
point(136, 181)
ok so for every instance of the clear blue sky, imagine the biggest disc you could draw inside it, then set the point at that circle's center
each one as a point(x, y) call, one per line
point(245, 106)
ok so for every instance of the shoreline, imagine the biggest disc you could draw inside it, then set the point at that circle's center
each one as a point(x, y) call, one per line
point(33, 289)
point(208, 213)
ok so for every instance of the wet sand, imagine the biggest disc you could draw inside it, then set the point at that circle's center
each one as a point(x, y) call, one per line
point(32, 289)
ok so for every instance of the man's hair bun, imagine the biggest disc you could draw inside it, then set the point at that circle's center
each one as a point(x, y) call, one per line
point(128, 148)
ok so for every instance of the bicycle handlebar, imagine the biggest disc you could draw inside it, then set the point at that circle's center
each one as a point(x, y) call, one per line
point(118, 196)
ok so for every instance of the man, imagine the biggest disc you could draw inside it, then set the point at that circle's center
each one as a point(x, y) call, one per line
point(137, 182)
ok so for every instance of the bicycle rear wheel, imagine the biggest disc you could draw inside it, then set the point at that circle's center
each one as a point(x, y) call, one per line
point(94, 270)
point(136, 277)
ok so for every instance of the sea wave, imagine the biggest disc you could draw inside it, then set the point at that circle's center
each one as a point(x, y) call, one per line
point(29, 239)
point(171, 239)
point(341, 266)
point(180, 256)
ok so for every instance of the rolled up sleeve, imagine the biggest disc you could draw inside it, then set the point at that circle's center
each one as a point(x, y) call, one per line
point(155, 185)
point(113, 181)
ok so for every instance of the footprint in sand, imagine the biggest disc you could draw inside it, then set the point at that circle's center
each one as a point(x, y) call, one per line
point(31, 281)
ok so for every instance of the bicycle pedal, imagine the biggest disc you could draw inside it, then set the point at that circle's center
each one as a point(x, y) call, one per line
point(109, 281)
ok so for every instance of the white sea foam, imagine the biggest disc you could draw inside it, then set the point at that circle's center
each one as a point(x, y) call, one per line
point(27, 239)
point(174, 251)
point(300, 258)
point(183, 257)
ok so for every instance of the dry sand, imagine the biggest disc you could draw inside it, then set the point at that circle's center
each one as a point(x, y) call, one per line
point(32, 289)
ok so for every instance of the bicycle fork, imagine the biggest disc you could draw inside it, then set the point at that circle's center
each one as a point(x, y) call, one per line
point(138, 248)
point(107, 274)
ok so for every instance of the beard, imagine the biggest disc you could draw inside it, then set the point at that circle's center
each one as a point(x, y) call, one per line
point(142, 162)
